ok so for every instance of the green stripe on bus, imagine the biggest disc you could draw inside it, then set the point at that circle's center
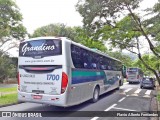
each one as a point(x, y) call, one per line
point(86, 73)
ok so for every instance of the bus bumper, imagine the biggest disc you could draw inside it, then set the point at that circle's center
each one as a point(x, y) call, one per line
point(133, 80)
point(56, 100)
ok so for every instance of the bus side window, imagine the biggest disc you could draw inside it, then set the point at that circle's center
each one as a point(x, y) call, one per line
point(105, 63)
point(94, 65)
point(76, 56)
point(102, 63)
point(92, 61)
point(84, 59)
point(85, 65)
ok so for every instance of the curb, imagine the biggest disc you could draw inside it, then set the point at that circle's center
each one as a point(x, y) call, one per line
point(158, 103)
point(154, 104)
point(10, 104)
point(153, 108)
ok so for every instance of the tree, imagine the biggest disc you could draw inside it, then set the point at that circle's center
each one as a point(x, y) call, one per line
point(58, 30)
point(11, 27)
point(8, 67)
point(149, 59)
point(76, 34)
point(84, 39)
point(126, 60)
point(118, 22)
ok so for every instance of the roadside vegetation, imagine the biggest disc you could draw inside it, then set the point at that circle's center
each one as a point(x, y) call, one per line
point(11, 31)
point(6, 90)
point(8, 99)
point(125, 27)
point(8, 95)
point(124, 81)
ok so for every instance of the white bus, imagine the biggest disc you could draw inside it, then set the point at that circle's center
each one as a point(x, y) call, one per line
point(60, 72)
point(134, 75)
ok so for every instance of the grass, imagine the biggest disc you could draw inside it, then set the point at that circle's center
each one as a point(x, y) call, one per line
point(124, 81)
point(8, 99)
point(11, 89)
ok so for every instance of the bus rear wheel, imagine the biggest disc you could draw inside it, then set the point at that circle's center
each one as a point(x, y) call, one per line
point(95, 95)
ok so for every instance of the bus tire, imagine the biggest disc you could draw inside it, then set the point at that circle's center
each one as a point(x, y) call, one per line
point(95, 95)
point(120, 84)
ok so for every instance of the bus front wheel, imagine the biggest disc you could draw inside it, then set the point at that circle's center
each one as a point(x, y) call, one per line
point(95, 95)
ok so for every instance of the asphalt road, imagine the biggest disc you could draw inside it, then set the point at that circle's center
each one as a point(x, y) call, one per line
point(129, 98)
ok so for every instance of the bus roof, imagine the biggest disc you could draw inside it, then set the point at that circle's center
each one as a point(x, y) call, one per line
point(69, 40)
point(48, 37)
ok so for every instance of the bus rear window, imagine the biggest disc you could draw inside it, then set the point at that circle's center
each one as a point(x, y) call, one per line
point(132, 69)
point(40, 48)
point(131, 72)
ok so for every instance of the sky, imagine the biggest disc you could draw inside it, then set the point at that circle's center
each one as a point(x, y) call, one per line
point(38, 13)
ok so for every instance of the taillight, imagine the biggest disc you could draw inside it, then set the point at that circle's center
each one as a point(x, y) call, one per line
point(64, 82)
point(18, 78)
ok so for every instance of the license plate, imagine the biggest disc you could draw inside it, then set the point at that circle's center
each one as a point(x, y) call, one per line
point(37, 96)
point(146, 85)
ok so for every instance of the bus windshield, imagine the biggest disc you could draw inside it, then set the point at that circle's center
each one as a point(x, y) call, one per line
point(40, 48)
point(131, 72)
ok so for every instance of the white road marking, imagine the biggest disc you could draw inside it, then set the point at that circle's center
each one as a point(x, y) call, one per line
point(95, 118)
point(128, 90)
point(110, 107)
point(134, 95)
point(148, 92)
point(146, 96)
point(124, 109)
point(137, 91)
point(121, 99)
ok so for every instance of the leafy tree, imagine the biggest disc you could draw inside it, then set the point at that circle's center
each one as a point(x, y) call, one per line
point(126, 60)
point(149, 59)
point(118, 22)
point(60, 30)
point(10, 24)
point(76, 34)
point(11, 28)
point(8, 67)
point(84, 39)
